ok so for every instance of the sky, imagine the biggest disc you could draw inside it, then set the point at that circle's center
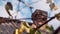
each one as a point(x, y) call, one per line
point(40, 4)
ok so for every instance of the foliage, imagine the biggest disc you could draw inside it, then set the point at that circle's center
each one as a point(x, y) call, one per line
point(30, 30)
point(50, 28)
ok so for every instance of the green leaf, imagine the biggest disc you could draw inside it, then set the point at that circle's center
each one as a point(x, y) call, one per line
point(52, 5)
point(47, 27)
point(38, 32)
point(50, 28)
point(8, 7)
point(32, 31)
point(58, 16)
point(26, 24)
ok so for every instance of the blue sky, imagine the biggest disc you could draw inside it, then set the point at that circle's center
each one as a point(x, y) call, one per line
point(39, 5)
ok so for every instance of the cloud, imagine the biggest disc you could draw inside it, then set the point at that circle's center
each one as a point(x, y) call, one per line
point(3, 12)
point(42, 5)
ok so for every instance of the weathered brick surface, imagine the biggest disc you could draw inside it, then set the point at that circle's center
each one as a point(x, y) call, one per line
point(7, 28)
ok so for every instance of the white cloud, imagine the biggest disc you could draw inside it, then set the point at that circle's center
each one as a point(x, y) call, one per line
point(42, 5)
point(3, 12)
